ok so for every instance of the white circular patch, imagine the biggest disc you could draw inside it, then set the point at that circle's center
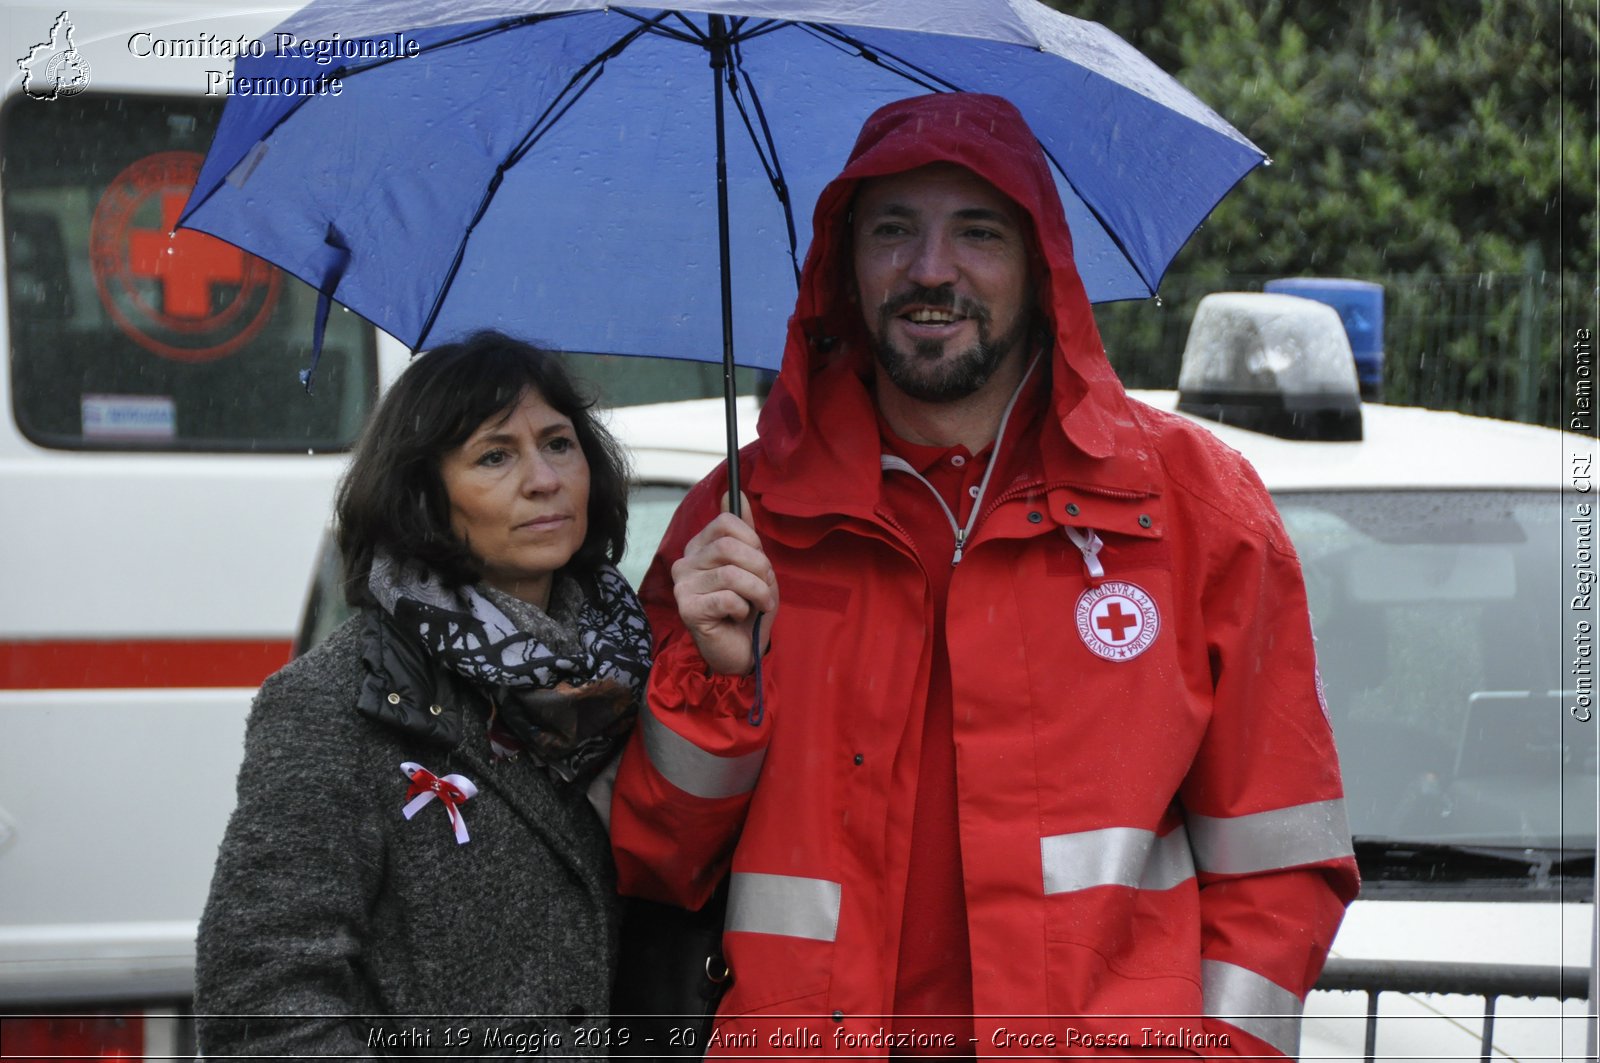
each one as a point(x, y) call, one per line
point(1117, 621)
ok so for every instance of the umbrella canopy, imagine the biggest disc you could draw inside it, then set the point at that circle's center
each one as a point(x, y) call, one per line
point(550, 168)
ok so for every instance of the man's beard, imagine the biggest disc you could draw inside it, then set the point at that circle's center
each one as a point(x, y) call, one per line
point(922, 374)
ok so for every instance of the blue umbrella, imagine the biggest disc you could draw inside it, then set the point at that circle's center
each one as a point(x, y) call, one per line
point(612, 179)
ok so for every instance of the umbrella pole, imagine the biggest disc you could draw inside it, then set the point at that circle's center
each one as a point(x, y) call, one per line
point(730, 398)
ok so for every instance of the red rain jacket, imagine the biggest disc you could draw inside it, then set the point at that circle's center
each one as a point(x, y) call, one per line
point(1154, 846)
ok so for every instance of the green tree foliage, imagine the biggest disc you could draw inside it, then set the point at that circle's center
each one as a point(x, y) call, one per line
point(1446, 148)
point(1426, 137)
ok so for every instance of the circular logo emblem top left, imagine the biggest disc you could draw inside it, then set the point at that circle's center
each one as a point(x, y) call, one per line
point(185, 295)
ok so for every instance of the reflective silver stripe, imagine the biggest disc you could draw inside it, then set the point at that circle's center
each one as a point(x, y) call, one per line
point(1265, 841)
point(693, 770)
point(1115, 856)
point(783, 904)
point(1252, 1002)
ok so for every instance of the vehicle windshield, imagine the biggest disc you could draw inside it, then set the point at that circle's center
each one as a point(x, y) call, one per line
point(1438, 618)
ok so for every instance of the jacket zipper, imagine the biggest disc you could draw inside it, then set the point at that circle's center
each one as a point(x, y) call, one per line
point(1111, 492)
point(891, 463)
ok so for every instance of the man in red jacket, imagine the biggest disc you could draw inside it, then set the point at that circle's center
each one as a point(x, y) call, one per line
point(1043, 767)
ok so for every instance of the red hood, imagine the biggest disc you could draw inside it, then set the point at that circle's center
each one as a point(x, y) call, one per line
point(826, 339)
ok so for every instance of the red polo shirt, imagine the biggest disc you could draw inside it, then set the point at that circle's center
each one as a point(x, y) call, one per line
point(935, 968)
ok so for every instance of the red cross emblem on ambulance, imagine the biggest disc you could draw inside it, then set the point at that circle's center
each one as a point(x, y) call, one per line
point(1117, 620)
point(184, 295)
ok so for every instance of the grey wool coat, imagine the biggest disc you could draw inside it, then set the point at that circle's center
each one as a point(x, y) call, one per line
point(336, 927)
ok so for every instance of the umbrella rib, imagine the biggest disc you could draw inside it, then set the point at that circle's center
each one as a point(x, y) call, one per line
point(504, 26)
point(774, 168)
point(911, 72)
point(654, 25)
point(587, 75)
point(695, 35)
point(590, 70)
point(761, 30)
point(1105, 225)
point(347, 72)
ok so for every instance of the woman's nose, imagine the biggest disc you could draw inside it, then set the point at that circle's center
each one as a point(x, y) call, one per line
point(539, 476)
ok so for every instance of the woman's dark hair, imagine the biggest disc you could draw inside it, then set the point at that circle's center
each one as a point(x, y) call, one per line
point(393, 498)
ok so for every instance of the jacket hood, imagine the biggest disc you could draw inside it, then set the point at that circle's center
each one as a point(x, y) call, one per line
point(827, 337)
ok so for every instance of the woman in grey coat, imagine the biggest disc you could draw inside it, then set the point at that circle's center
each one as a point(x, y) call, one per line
point(414, 864)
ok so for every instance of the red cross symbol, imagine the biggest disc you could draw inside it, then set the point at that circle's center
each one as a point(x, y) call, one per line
point(187, 265)
point(1115, 621)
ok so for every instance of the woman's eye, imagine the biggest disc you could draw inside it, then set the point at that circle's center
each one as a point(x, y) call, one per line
point(561, 444)
point(493, 457)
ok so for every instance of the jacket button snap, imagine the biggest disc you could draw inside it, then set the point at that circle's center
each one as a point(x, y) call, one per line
point(838, 1016)
point(435, 709)
point(1144, 520)
point(1072, 509)
point(859, 758)
point(1034, 516)
point(394, 699)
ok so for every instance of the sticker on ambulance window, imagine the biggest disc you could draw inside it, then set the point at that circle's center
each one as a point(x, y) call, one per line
point(183, 295)
point(129, 417)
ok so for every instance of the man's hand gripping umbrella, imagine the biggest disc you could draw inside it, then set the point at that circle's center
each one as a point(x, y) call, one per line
point(727, 594)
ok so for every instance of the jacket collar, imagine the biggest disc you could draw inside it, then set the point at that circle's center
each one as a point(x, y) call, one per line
point(402, 689)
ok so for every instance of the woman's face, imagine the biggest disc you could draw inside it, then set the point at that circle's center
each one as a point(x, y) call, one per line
point(519, 496)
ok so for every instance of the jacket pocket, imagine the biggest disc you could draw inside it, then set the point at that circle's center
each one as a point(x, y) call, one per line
point(1108, 1011)
point(1132, 932)
point(769, 971)
point(796, 1026)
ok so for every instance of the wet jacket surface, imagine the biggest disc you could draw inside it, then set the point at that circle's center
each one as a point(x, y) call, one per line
point(336, 927)
point(1152, 831)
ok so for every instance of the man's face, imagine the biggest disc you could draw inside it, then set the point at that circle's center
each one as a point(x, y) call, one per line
point(941, 263)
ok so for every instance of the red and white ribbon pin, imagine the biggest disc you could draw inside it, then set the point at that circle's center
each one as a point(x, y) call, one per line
point(451, 791)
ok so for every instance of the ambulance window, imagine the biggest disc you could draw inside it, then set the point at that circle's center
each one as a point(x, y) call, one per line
point(124, 339)
point(1438, 624)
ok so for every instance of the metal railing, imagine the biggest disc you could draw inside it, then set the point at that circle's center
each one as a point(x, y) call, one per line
point(1490, 981)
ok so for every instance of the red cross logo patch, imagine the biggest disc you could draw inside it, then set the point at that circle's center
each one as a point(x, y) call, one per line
point(1117, 620)
point(185, 296)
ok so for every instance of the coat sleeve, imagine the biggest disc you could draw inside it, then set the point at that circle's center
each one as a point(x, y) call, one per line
point(1263, 800)
point(296, 876)
point(691, 765)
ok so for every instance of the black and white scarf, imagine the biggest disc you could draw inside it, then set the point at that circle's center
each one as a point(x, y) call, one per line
point(566, 681)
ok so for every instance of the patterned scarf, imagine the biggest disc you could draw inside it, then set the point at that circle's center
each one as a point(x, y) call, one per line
point(567, 682)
